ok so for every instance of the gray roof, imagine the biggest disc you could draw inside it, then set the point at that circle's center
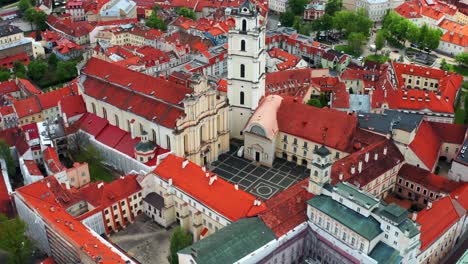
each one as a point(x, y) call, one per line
point(145, 146)
point(154, 200)
point(462, 155)
point(366, 227)
point(322, 151)
point(7, 30)
point(231, 243)
point(385, 254)
point(394, 212)
point(382, 123)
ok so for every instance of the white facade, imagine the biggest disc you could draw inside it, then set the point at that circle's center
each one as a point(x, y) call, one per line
point(376, 9)
point(278, 5)
point(246, 67)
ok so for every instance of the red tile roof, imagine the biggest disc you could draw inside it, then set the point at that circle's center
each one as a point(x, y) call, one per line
point(8, 87)
point(65, 46)
point(461, 195)
point(69, 27)
point(5, 203)
point(287, 209)
point(312, 123)
point(221, 196)
point(27, 107)
point(31, 165)
point(72, 105)
point(44, 202)
point(92, 124)
point(280, 82)
point(51, 99)
point(427, 179)
point(436, 220)
point(28, 86)
point(289, 61)
point(449, 133)
point(372, 169)
point(426, 145)
point(9, 61)
point(52, 160)
point(7, 110)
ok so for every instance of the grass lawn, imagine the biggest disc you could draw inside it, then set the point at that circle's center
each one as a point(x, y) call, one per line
point(458, 69)
point(96, 169)
point(377, 58)
point(346, 49)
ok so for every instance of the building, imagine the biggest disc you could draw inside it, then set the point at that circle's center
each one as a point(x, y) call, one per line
point(314, 10)
point(422, 186)
point(278, 6)
point(375, 9)
point(191, 122)
point(246, 65)
point(280, 60)
point(179, 190)
point(455, 38)
point(459, 169)
point(13, 42)
point(52, 214)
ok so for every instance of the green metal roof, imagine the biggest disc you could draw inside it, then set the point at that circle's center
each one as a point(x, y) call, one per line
point(409, 226)
point(394, 212)
point(145, 146)
point(231, 243)
point(359, 197)
point(367, 227)
point(385, 254)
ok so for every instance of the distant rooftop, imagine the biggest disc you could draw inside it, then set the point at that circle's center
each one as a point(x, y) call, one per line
point(7, 30)
point(360, 197)
point(382, 123)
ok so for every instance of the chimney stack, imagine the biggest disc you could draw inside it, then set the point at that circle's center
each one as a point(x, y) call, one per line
point(236, 187)
point(385, 151)
point(360, 166)
point(414, 216)
point(212, 179)
point(184, 163)
point(341, 176)
point(376, 156)
point(366, 158)
point(169, 181)
point(353, 169)
point(429, 205)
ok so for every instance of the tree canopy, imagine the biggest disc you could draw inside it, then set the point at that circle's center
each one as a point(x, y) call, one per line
point(297, 6)
point(155, 22)
point(19, 69)
point(13, 240)
point(348, 22)
point(287, 18)
point(180, 239)
point(380, 39)
point(37, 69)
point(185, 12)
point(5, 154)
point(4, 74)
point(462, 59)
point(333, 6)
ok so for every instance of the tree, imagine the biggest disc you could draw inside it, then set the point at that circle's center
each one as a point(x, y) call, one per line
point(23, 5)
point(333, 6)
point(180, 239)
point(287, 18)
point(4, 74)
point(297, 6)
point(324, 23)
point(38, 18)
point(53, 60)
point(19, 69)
point(13, 240)
point(444, 65)
point(155, 22)
point(315, 102)
point(355, 41)
point(185, 12)
point(66, 70)
point(37, 69)
point(379, 40)
point(5, 154)
point(156, 8)
point(462, 59)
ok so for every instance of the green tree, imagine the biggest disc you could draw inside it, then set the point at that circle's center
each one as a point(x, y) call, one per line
point(355, 41)
point(19, 69)
point(5, 154)
point(13, 240)
point(37, 69)
point(297, 6)
point(412, 34)
point(444, 65)
point(66, 70)
point(23, 5)
point(379, 40)
point(315, 102)
point(333, 6)
point(180, 239)
point(155, 22)
point(38, 18)
point(324, 23)
point(4, 74)
point(185, 12)
point(462, 59)
point(156, 8)
point(53, 60)
point(287, 18)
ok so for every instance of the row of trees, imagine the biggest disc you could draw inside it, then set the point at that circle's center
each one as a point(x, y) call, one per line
point(398, 30)
point(30, 14)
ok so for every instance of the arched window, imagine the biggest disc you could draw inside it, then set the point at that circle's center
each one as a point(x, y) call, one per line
point(242, 45)
point(116, 120)
point(168, 140)
point(154, 136)
point(241, 98)
point(93, 106)
point(258, 130)
point(244, 25)
point(242, 70)
point(104, 113)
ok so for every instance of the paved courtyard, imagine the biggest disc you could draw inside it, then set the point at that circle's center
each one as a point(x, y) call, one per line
point(261, 181)
point(144, 240)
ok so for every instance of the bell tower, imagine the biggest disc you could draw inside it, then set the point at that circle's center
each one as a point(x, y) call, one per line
point(246, 65)
point(320, 171)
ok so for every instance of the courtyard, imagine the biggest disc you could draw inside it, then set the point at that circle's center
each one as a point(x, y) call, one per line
point(144, 240)
point(261, 181)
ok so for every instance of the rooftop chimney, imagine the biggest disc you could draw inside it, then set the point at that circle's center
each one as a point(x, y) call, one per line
point(236, 187)
point(376, 156)
point(414, 216)
point(169, 181)
point(341, 176)
point(212, 179)
point(429, 205)
point(99, 186)
point(353, 169)
point(385, 151)
point(48, 184)
point(366, 158)
point(184, 164)
point(203, 168)
point(360, 166)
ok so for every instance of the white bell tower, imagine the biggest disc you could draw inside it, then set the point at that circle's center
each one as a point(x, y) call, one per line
point(320, 171)
point(246, 65)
